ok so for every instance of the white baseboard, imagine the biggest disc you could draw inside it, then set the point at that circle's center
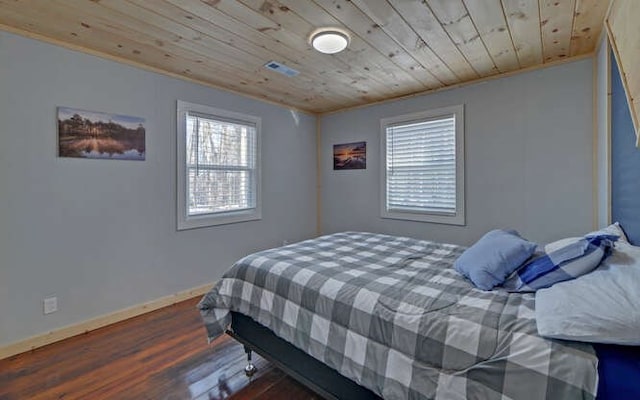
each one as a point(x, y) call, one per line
point(56, 335)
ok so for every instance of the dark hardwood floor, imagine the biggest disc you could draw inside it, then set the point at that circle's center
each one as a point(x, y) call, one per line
point(160, 355)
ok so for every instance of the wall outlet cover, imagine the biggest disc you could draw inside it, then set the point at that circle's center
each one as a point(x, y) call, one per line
point(50, 305)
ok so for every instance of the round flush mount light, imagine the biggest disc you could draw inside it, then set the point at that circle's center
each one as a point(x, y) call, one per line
point(329, 40)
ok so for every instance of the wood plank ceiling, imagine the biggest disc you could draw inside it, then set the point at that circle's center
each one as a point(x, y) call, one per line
point(398, 47)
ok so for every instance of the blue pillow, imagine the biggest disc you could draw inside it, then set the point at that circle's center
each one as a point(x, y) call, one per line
point(494, 257)
point(568, 262)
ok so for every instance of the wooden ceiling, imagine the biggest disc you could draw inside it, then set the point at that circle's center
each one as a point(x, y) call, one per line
point(398, 47)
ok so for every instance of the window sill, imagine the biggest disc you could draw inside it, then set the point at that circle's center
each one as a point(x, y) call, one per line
point(457, 219)
point(207, 220)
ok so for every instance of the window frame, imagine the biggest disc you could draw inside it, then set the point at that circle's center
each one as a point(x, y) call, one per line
point(184, 220)
point(459, 217)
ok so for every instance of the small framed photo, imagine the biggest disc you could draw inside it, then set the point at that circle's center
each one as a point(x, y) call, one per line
point(350, 156)
point(92, 134)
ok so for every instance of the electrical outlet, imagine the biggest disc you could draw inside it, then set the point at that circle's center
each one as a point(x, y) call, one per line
point(50, 305)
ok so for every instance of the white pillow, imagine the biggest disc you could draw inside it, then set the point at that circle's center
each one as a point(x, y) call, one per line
point(602, 306)
point(613, 229)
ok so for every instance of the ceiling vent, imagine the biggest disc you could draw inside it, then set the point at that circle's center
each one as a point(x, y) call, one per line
point(283, 69)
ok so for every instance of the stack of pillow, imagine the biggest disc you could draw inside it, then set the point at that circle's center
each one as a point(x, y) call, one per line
point(503, 258)
point(600, 306)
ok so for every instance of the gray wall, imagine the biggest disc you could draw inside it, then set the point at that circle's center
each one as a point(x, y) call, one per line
point(101, 234)
point(528, 161)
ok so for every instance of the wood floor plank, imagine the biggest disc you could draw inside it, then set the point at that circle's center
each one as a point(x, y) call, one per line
point(160, 355)
point(271, 378)
point(288, 388)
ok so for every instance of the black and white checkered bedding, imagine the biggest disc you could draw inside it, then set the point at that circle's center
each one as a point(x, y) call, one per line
point(391, 314)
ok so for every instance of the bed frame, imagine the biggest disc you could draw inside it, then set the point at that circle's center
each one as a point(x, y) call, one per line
point(312, 373)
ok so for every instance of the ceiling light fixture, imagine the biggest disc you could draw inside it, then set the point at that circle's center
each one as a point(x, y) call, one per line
point(329, 40)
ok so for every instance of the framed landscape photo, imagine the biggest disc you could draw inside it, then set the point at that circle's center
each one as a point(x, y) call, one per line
point(350, 156)
point(92, 134)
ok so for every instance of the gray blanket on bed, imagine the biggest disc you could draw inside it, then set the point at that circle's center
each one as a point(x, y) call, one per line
point(392, 314)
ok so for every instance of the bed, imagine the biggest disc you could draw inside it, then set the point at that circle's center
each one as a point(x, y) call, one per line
point(490, 349)
point(358, 315)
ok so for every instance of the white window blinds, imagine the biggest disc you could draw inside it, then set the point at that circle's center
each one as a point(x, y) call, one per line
point(421, 166)
point(221, 159)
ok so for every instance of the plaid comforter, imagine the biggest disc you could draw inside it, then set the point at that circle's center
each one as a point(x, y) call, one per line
point(391, 314)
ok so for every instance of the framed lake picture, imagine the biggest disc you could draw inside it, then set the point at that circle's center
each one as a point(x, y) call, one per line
point(350, 156)
point(92, 134)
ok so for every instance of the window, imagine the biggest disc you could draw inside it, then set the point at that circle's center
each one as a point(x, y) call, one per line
point(423, 166)
point(218, 166)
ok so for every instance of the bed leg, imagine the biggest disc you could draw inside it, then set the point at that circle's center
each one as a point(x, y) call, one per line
point(250, 369)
